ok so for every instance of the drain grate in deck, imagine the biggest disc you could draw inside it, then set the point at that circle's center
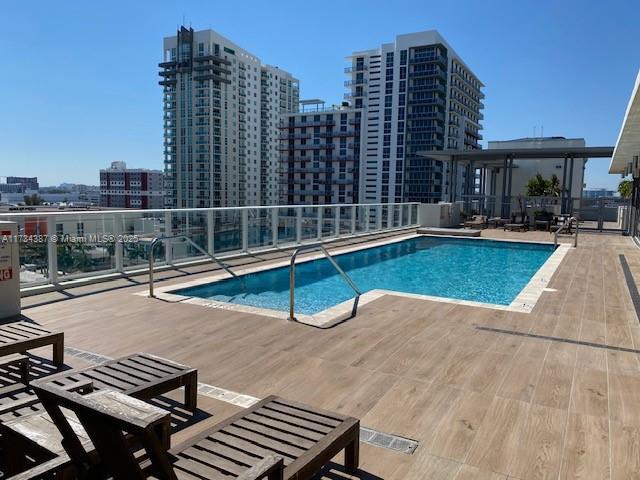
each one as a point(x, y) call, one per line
point(385, 440)
point(86, 356)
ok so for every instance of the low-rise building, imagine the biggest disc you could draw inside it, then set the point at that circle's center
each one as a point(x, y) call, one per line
point(122, 187)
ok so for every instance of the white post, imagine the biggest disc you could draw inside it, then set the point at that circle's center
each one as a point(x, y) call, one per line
point(401, 216)
point(211, 232)
point(9, 270)
point(391, 212)
point(353, 220)
point(379, 219)
point(245, 230)
point(168, 231)
point(319, 207)
point(118, 223)
point(367, 212)
point(274, 226)
point(337, 221)
point(299, 225)
point(52, 251)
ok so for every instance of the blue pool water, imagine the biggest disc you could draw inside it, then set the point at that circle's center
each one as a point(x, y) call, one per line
point(479, 270)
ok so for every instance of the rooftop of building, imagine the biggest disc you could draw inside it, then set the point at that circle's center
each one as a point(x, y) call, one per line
point(486, 393)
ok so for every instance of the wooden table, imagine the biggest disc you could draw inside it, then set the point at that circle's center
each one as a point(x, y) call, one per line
point(18, 337)
point(141, 375)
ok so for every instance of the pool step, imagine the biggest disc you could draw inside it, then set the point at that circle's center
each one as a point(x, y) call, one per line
point(455, 232)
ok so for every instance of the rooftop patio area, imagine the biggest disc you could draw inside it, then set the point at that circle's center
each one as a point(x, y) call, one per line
point(487, 393)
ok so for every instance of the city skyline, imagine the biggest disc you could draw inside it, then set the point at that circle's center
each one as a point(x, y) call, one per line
point(532, 81)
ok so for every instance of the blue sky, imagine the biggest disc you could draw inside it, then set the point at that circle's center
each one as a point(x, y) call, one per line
point(79, 79)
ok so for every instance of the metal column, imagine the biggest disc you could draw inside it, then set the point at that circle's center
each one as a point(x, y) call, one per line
point(570, 202)
point(563, 196)
point(503, 206)
point(509, 190)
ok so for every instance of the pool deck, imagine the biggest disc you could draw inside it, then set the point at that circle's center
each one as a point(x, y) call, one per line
point(488, 394)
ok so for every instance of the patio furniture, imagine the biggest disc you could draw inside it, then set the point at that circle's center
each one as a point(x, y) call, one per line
point(476, 221)
point(19, 362)
point(519, 227)
point(19, 337)
point(141, 375)
point(495, 222)
point(39, 436)
point(274, 439)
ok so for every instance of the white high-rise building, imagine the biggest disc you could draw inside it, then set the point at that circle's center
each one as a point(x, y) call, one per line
point(221, 112)
point(417, 95)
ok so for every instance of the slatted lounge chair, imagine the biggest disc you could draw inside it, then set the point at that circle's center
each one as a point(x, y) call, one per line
point(142, 376)
point(274, 439)
point(20, 337)
point(476, 221)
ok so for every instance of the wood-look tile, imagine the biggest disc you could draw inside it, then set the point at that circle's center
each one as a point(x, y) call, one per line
point(460, 425)
point(625, 451)
point(590, 393)
point(554, 386)
point(467, 472)
point(586, 451)
point(522, 379)
point(624, 398)
point(496, 442)
point(540, 447)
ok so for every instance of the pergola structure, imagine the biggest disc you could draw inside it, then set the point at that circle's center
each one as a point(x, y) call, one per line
point(490, 161)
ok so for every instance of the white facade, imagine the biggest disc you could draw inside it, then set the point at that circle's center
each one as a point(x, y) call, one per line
point(417, 95)
point(525, 169)
point(221, 107)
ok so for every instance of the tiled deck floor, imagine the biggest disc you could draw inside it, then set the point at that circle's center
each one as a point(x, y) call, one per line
point(483, 405)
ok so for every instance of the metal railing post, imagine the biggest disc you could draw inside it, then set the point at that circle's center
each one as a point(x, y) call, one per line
point(168, 231)
point(245, 229)
point(319, 236)
point(118, 223)
point(337, 221)
point(299, 225)
point(274, 226)
point(353, 220)
point(52, 251)
point(211, 244)
point(379, 219)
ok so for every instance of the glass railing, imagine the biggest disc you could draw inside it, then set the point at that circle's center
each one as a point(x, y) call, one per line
point(56, 247)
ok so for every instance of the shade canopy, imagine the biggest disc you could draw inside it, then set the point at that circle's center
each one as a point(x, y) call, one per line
point(628, 144)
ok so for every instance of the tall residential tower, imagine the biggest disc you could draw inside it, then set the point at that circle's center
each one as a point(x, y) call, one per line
point(417, 95)
point(221, 112)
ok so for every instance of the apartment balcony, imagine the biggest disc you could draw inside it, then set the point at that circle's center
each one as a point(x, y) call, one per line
point(427, 101)
point(434, 73)
point(353, 96)
point(212, 58)
point(437, 87)
point(439, 59)
point(318, 146)
point(357, 81)
point(293, 136)
point(357, 68)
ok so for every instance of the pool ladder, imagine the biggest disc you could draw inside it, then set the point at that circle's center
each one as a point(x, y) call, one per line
point(292, 278)
point(157, 240)
point(567, 226)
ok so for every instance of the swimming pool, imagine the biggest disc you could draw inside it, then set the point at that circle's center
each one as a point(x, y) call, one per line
point(485, 271)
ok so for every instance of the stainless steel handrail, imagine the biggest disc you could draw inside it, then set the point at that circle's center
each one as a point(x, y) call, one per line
point(292, 278)
point(157, 240)
point(567, 224)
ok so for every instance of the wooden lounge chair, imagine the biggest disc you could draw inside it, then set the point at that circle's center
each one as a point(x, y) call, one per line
point(19, 337)
point(274, 439)
point(476, 221)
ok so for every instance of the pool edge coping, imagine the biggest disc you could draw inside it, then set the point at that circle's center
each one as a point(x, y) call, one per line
point(524, 302)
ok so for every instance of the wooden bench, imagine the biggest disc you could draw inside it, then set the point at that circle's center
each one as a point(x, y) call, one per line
point(20, 337)
point(274, 439)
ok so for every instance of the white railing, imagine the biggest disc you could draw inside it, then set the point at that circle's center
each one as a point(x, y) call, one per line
point(60, 246)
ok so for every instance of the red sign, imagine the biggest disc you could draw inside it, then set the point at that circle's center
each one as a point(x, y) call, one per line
point(6, 274)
